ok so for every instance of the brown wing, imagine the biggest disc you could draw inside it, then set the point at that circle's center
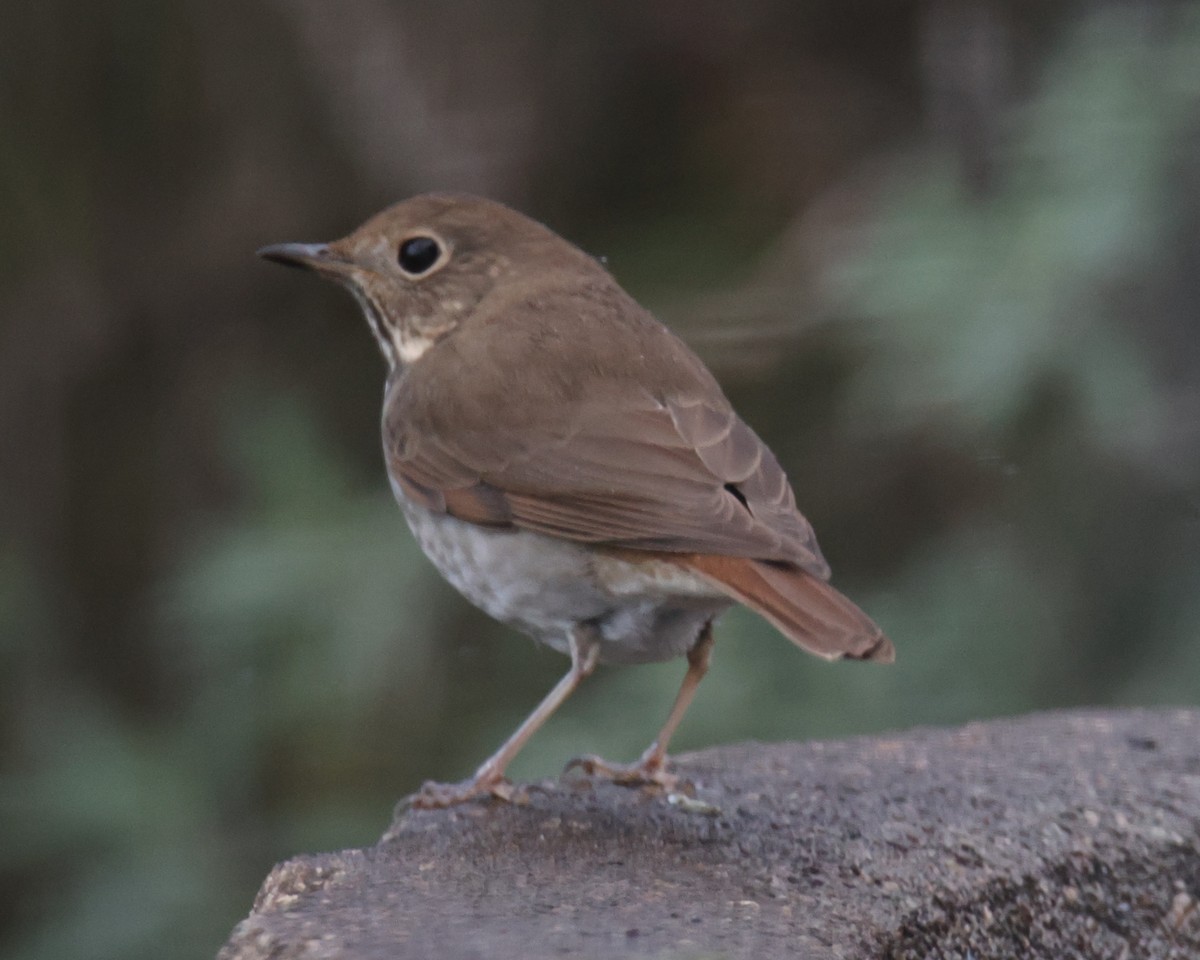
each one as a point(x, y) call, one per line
point(605, 455)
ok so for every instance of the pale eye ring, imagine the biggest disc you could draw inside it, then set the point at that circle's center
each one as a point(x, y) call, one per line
point(417, 255)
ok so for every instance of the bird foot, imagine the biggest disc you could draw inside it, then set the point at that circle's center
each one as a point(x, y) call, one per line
point(438, 796)
point(648, 771)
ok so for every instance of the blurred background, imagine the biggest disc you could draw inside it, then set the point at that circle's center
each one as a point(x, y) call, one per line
point(944, 255)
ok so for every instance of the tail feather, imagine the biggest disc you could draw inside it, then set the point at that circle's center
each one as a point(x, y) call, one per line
point(808, 611)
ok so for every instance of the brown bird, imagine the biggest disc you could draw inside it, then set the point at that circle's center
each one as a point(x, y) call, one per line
point(568, 464)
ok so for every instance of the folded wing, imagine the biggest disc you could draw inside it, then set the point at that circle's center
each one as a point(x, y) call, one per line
point(636, 460)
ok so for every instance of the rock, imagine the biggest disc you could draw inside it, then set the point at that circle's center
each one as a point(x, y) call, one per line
point(1057, 835)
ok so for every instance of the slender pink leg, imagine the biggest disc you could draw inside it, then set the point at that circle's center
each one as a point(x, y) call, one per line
point(651, 767)
point(489, 778)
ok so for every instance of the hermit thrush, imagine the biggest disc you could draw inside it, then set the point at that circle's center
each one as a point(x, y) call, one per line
point(568, 464)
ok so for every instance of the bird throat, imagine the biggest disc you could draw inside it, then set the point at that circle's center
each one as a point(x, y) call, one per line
point(377, 324)
point(401, 343)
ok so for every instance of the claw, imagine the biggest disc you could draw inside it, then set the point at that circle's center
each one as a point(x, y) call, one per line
point(438, 796)
point(648, 771)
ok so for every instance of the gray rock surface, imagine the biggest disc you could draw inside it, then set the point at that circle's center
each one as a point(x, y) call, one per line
point(1058, 835)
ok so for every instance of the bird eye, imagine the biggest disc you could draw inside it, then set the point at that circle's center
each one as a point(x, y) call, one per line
point(418, 254)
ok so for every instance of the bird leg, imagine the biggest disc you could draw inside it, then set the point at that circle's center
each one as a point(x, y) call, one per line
point(489, 778)
point(651, 766)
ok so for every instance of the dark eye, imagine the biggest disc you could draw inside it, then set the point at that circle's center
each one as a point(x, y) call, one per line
point(418, 254)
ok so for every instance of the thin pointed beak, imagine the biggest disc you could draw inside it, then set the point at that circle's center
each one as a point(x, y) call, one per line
point(308, 256)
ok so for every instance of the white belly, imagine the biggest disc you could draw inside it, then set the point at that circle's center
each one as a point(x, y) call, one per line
point(545, 586)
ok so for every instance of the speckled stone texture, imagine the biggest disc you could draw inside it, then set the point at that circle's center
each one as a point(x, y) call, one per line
point(1064, 835)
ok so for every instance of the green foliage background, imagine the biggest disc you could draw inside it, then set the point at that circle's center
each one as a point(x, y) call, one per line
point(959, 294)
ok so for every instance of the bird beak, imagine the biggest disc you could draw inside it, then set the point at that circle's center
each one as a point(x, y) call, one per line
point(308, 256)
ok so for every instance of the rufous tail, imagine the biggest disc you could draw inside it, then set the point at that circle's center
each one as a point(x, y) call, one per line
point(806, 610)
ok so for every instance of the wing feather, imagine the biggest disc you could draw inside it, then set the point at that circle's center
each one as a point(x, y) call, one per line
point(624, 455)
